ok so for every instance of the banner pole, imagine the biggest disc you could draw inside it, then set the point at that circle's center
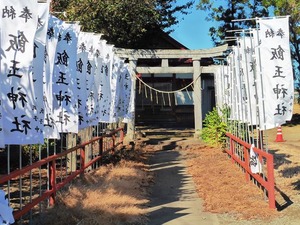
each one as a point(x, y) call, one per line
point(249, 19)
point(248, 103)
point(262, 89)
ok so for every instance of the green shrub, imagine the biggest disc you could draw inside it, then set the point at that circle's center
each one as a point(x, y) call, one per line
point(214, 128)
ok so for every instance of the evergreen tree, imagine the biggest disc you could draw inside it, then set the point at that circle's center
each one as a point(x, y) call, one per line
point(124, 23)
point(291, 8)
point(225, 13)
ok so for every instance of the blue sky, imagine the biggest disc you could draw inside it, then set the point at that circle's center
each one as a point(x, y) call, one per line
point(192, 31)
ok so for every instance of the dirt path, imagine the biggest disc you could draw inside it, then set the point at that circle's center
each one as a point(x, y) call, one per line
point(179, 164)
point(174, 200)
point(222, 188)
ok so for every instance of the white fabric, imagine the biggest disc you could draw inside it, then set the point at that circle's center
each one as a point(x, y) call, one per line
point(114, 79)
point(232, 88)
point(39, 59)
point(97, 85)
point(125, 85)
point(236, 79)
point(239, 84)
point(222, 86)
point(50, 127)
point(248, 64)
point(129, 116)
point(82, 59)
point(255, 164)
point(2, 144)
point(65, 100)
point(91, 85)
point(5, 211)
point(117, 108)
point(277, 74)
point(106, 82)
point(260, 118)
point(226, 84)
point(19, 101)
point(219, 88)
point(229, 87)
point(44, 100)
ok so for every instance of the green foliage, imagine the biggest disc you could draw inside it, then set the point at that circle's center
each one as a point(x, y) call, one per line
point(291, 8)
point(124, 23)
point(214, 127)
point(224, 12)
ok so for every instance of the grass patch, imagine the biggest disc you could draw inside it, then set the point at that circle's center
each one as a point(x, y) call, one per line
point(113, 194)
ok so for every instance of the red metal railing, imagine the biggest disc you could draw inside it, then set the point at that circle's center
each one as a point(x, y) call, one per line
point(54, 185)
point(268, 181)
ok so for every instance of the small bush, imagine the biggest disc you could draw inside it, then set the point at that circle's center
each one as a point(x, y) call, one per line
point(214, 128)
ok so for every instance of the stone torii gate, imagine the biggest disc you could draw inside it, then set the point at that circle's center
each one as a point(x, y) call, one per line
point(133, 55)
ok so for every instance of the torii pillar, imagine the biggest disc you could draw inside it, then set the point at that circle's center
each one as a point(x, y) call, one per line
point(130, 136)
point(197, 97)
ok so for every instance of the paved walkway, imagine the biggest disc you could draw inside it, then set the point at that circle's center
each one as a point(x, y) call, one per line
point(174, 200)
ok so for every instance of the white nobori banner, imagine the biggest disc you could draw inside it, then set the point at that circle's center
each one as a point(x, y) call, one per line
point(65, 110)
point(21, 106)
point(276, 71)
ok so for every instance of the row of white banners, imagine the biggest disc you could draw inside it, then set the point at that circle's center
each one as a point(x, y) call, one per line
point(55, 78)
point(257, 82)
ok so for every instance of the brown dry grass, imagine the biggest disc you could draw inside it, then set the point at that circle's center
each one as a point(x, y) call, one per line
point(113, 194)
point(118, 194)
point(223, 187)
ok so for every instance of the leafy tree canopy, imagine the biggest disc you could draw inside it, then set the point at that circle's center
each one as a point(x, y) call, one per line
point(124, 23)
point(226, 11)
point(291, 8)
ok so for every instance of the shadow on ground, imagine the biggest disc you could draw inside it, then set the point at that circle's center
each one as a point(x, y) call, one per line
point(294, 121)
point(170, 197)
point(279, 158)
point(286, 203)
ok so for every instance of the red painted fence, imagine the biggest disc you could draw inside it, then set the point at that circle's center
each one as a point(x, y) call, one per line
point(267, 181)
point(52, 161)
